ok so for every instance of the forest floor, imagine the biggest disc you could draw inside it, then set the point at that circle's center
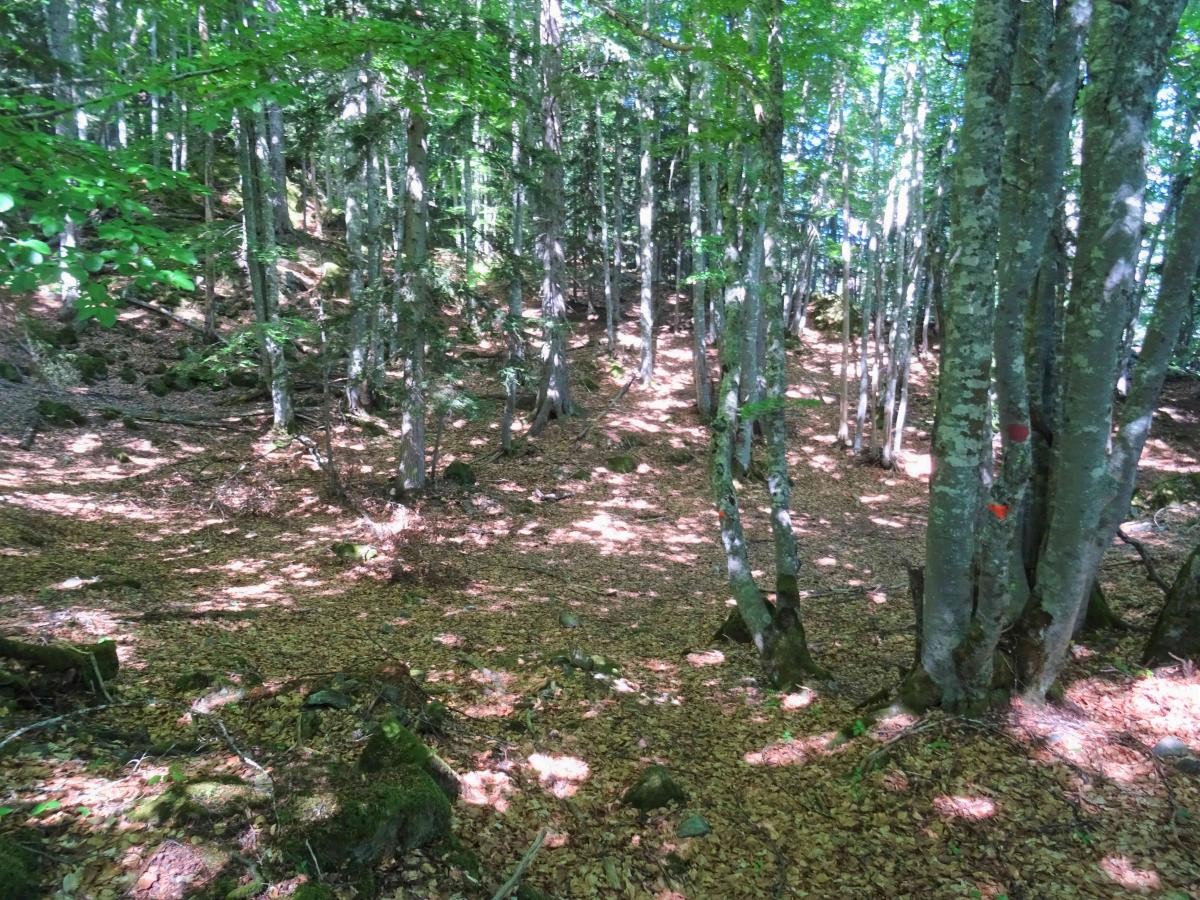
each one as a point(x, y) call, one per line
point(204, 550)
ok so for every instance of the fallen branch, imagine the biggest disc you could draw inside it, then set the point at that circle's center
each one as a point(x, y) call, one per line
point(1151, 571)
point(166, 313)
point(46, 723)
point(514, 880)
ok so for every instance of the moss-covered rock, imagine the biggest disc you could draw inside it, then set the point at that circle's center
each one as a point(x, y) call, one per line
point(622, 464)
point(62, 414)
point(17, 876)
point(10, 372)
point(157, 386)
point(312, 891)
point(365, 823)
point(392, 747)
point(92, 367)
point(654, 789)
point(198, 801)
point(460, 473)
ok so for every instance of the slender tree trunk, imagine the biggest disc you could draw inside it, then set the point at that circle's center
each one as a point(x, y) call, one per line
point(612, 302)
point(700, 376)
point(646, 255)
point(414, 299)
point(554, 394)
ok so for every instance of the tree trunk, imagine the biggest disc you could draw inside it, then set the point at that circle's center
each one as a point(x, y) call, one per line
point(414, 299)
point(1176, 633)
point(554, 393)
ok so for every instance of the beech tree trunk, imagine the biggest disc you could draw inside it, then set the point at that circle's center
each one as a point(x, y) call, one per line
point(554, 393)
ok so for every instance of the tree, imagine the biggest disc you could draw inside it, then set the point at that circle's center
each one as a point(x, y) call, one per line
point(554, 390)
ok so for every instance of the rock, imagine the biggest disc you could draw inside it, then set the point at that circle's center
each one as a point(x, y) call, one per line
point(460, 473)
point(693, 826)
point(91, 368)
point(327, 699)
point(244, 378)
point(157, 386)
point(365, 823)
point(62, 414)
point(654, 789)
point(622, 464)
point(568, 619)
point(9, 372)
point(312, 891)
point(1188, 765)
point(17, 877)
point(176, 870)
point(1170, 747)
point(392, 747)
point(198, 801)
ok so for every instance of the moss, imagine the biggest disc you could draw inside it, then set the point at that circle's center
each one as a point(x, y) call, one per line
point(157, 386)
point(622, 464)
point(368, 822)
point(17, 877)
point(312, 891)
point(918, 692)
point(10, 372)
point(62, 414)
point(92, 367)
point(128, 374)
point(392, 747)
point(460, 473)
point(654, 789)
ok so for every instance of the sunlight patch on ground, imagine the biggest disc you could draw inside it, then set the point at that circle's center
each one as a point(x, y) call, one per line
point(484, 787)
point(1122, 870)
point(559, 775)
point(793, 752)
point(973, 809)
point(702, 658)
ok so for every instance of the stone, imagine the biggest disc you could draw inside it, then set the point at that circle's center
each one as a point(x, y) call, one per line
point(568, 619)
point(693, 826)
point(460, 473)
point(622, 464)
point(10, 372)
point(62, 414)
point(1188, 765)
point(654, 789)
point(1170, 747)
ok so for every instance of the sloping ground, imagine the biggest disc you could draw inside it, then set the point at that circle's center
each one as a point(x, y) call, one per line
point(206, 555)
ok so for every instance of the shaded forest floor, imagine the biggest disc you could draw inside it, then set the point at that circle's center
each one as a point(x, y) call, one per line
point(204, 549)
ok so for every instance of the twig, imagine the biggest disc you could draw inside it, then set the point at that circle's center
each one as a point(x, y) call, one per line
point(526, 861)
point(1151, 571)
point(45, 723)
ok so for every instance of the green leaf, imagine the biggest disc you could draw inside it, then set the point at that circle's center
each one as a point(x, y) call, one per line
point(45, 806)
point(6, 811)
point(178, 279)
point(93, 263)
point(176, 772)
